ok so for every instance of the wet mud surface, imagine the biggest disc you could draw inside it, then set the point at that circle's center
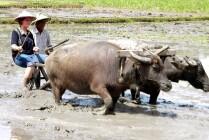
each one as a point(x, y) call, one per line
point(182, 113)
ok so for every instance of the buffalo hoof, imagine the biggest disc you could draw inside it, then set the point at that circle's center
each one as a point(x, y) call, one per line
point(123, 100)
point(61, 103)
point(109, 112)
point(103, 111)
point(99, 111)
point(153, 103)
point(138, 102)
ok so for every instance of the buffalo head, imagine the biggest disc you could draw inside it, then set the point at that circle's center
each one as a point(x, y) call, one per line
point(138, 69)
point(187, 69)
point(197, 76)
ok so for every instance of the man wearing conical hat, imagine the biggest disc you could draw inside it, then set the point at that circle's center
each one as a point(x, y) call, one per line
point(23, 46)
point(40, 34)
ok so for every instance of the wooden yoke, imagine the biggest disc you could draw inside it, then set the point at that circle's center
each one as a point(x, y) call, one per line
point(161, 51)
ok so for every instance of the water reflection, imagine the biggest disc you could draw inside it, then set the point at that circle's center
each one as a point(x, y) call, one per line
point(5, 132)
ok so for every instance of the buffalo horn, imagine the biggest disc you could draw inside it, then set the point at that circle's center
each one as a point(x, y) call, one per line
point(145, 49)
point(161, 50)
point(142, 59)
point(190, 61)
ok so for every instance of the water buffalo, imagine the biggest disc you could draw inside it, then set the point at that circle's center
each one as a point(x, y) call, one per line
point(177, 68)
point(94, 68)
point(187, 69)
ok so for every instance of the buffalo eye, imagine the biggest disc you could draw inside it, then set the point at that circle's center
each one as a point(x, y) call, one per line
point(156, 67)
point(133, 65)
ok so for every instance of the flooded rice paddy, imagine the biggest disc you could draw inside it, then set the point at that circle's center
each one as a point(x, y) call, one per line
point(182, 113)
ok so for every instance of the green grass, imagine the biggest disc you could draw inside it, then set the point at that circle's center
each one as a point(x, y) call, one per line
point(151, 5)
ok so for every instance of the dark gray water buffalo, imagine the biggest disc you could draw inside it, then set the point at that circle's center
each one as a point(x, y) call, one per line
point(187, 69)
point(94, 68)
point(177, 68)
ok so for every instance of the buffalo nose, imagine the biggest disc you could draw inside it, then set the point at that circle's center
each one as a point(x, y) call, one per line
point(169, 86)
point(166, 86)
point(206, 88)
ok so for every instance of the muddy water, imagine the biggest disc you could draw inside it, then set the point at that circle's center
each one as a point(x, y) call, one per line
point(5, 132)
point(181, 113)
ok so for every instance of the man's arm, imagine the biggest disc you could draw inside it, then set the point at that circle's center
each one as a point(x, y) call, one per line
point(14, 42)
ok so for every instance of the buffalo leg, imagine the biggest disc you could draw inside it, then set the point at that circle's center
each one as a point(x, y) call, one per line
point(135, 95)
point(153, 91)
point(153, 97)
point(104, 94)
point(114, 100)
point(58, 92)
point(123, 94)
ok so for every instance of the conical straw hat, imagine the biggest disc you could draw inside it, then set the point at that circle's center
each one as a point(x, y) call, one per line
point(25, 14)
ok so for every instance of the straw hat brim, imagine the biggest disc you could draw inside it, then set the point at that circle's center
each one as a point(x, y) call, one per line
point(22, 17)
point(25, 14)
point(47, 19)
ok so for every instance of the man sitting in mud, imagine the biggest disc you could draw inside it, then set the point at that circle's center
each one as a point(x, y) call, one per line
point(40, 34)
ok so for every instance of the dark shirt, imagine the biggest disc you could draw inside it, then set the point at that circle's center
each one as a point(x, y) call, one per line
point(18, 38)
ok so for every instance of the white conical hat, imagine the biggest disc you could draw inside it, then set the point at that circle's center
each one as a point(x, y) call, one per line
point(25, 14)
point(40, 17)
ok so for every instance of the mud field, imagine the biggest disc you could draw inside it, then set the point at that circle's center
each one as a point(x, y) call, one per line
point(182, 113)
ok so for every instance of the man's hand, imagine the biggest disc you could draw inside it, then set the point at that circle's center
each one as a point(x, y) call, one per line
point(35, 49)
point(16, 48)
point(19, 48)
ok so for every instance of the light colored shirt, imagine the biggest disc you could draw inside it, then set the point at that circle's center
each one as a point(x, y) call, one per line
point(42, 40)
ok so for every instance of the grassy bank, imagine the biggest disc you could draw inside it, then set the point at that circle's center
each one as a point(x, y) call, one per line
point(113, 20)
point(151, 5)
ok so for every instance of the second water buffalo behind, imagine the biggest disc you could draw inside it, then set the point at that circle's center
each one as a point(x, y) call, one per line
point(177, 68)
